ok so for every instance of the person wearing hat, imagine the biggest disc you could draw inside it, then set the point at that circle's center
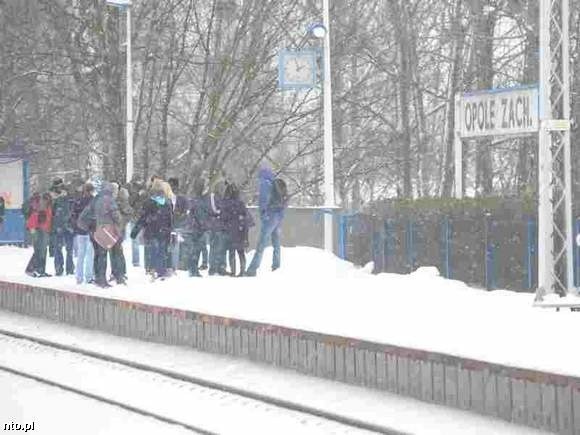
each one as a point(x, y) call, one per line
point(86, 253)
point(62, 233)
point(196, 226)
point(102, 212)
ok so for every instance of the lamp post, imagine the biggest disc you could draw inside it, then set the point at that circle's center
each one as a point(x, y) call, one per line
point(126, 5)
point(323, 32)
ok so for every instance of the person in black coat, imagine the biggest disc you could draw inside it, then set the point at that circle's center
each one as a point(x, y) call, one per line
point(180, 210)
point(137, 197)
point(237, 222)
point(156, 220)
point(196, 226)
point(62, 233)
point(85, 250)
point(217, 230)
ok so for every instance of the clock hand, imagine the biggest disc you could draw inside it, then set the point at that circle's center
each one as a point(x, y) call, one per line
point(297, 64)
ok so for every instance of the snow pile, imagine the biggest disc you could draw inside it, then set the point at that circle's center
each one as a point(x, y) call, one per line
point(316, 291)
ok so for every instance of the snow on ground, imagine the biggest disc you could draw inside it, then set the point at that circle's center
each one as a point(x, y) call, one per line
point(316, 291)
point(381, 408)
point(54, 411)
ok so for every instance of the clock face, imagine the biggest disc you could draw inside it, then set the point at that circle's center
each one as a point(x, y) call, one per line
point(298, 69)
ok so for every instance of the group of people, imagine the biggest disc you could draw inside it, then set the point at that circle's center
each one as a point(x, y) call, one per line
point(90, 221)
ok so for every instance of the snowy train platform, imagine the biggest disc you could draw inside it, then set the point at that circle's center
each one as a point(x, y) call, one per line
point(417, 335)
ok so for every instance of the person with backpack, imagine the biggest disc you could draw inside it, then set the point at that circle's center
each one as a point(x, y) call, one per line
point(273, 200)
point(39, 223)
point(237, 221)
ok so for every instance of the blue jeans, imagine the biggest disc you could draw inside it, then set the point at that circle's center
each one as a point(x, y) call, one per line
point(270, 229)
point(85, 259)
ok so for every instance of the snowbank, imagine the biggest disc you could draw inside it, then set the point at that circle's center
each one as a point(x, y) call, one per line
point(316, 291)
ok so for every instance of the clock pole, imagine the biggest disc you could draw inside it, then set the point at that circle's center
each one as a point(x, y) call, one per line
point(328, 149)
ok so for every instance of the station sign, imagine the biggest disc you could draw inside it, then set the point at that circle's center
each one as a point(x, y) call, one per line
point(500, 112)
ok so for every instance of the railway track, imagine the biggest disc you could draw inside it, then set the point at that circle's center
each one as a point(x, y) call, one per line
point(209, 394)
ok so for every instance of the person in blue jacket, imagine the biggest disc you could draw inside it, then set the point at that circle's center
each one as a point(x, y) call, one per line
point(273, 200)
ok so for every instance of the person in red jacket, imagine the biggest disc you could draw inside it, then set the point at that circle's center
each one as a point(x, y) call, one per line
point(39, 224)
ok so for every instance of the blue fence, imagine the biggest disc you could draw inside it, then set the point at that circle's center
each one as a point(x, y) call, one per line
point(504, 256)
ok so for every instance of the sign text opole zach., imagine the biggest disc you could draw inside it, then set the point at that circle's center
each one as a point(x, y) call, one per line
point(499, 112)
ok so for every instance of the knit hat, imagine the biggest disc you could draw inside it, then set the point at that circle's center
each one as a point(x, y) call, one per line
point(57, 185)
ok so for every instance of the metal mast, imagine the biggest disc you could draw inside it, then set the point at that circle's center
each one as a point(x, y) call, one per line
point(555, 262)
point(328, 144)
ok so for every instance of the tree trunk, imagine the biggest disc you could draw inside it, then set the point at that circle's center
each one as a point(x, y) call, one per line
point(484, 44)
point(400, 19)
point(528, 147)
point(454, 87)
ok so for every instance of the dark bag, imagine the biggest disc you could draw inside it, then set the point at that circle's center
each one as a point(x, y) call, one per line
point(278, 194)
point(87, 220)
